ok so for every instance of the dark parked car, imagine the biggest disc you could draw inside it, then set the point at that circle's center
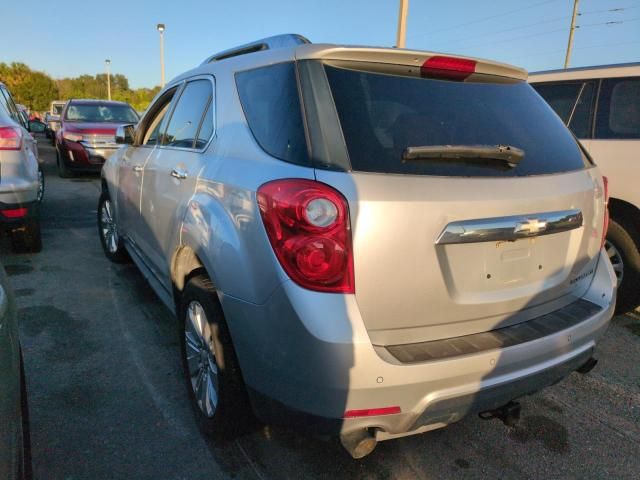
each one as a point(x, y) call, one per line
point(86, 137)
point(15, 460)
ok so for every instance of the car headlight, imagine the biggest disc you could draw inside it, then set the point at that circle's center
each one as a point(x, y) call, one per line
point(72, 137)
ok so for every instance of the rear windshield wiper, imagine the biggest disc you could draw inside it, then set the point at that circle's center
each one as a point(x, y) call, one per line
point(511, 156)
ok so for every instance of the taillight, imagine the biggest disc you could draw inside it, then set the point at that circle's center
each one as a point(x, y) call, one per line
point(448, 68)
point(605, 224)
point(307, 223)
point(10, 138)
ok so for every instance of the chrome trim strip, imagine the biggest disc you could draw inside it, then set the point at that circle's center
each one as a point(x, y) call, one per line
point(510, 228)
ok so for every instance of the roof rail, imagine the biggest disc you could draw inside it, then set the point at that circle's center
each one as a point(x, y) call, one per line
point(269, 43)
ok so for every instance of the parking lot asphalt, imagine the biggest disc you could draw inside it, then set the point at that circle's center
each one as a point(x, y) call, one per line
point(108, 401)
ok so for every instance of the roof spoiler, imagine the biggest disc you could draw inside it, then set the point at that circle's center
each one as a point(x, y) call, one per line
point(269, 43)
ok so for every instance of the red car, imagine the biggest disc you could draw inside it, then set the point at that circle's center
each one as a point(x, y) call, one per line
point(86, 137)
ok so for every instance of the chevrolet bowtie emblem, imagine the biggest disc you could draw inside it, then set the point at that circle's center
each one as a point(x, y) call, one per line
point(531, 226)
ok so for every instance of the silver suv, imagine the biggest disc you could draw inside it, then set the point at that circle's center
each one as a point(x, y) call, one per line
point(371, 242)
point(21, 179)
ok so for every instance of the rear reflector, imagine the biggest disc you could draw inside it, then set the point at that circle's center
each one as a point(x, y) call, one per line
point(447, 68)
point(372, 412)
point(14, 212)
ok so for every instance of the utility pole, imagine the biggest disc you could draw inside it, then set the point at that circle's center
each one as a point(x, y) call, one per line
point(402, 24)
point(107, 63)
point(161, 29)
point(571, 30)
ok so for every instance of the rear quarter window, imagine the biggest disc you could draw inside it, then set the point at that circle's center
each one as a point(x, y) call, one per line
point(271, 104)
point(381, 115)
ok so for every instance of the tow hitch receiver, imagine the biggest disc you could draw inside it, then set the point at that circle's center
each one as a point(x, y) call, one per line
point(509, 414)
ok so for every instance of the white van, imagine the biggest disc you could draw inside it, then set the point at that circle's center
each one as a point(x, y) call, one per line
point(601, 105)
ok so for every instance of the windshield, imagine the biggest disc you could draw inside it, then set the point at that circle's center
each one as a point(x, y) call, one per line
point(382, 115)
point(101, 113)
point(57, 109)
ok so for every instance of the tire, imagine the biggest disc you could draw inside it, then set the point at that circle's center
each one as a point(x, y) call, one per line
point(622, 245)
point(40, 185)
point(210, 364)
point(63, 170)
point(111, 242)
point(26, 465)
point(28, 238)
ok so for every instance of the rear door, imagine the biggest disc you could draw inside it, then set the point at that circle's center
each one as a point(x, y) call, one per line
point(170, 174)
point(451, 246)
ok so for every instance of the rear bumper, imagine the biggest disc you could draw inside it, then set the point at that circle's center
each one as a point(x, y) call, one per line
point(307, 356)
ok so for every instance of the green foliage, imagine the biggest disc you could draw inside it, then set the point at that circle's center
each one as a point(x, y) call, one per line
point(31, 88)
point(37, 90)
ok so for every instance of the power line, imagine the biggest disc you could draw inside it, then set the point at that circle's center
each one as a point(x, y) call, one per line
point(552, 31)
point(484, 19)
point(521, 27)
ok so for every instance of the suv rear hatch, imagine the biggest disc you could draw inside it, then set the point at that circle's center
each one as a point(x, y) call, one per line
point(450, 244)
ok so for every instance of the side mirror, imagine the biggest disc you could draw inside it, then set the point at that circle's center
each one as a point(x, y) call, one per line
point(36, 126)
point(124, 134)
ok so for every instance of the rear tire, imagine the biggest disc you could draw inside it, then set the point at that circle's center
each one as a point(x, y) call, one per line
point(625, 256)
point(63, 170)
point(27, 239)
point(111, 242)
point(213, 378)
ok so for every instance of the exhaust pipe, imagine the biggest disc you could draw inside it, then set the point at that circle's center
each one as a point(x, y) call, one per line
point(359, 443)
point(587, 366)
point(509, 414)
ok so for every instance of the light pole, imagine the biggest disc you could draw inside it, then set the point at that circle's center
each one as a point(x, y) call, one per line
point(572, 29)
point(161, 28)
point(107, 64)
point(401, 37)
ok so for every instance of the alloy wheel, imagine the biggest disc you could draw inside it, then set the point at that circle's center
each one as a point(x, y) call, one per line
point(108, 227)
point(201, 359)
point(616, 260)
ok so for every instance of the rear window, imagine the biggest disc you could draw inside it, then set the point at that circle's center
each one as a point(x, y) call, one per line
point(381, 115)
point(269, 97)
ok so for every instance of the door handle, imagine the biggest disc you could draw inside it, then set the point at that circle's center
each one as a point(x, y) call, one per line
point(179, 174)
point(138, 168)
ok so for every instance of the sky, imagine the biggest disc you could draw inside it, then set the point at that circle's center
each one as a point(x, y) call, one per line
point(73, 37)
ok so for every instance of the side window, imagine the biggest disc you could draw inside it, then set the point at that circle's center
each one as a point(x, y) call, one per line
point(561, 96)
point(158, 122)
point(9, 105)
point(185, 121)
point(618, 114)
point(269, 97)
point(581, 119)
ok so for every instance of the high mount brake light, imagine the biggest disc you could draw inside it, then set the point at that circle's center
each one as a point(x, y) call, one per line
point(308, 225)
point(447, 68)
point(10, 138)
point(605, 224)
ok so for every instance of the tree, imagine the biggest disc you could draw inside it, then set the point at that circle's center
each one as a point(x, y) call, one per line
point(34, 89)
point(37, 90)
